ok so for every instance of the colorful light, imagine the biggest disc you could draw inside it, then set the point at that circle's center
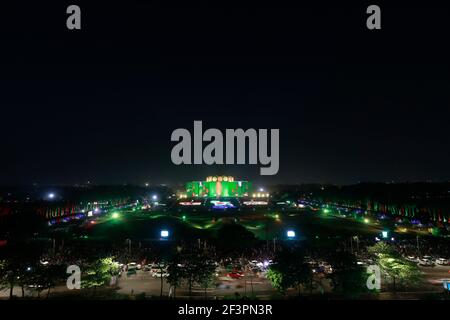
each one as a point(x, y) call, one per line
point(218, 186)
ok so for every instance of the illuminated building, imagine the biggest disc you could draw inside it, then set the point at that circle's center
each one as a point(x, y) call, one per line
point(218, 186)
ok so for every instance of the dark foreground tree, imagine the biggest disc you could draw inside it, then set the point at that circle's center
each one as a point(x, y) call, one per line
point(348, 278)
point(289, 270)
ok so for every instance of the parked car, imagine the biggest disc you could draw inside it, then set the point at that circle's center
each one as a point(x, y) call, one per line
point(426, 262)
point(131, 271)
point(156, 268)
point(132, 265)
point(442, 261)
point(235, 275)
point(147, 267)
point(160, 274)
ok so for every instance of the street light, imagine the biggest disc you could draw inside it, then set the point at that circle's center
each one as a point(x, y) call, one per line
point(154, 197)
point(290, 234)
point(115, 215)
point(164, 234)
point(51, 195)
point(384, 234)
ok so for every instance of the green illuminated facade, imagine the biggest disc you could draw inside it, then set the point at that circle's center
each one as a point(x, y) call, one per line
point(216, 187)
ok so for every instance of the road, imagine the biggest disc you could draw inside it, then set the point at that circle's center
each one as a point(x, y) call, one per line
point(435, 275)
point(143, 282)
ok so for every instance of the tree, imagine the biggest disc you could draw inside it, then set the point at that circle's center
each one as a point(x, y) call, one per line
point(16, 265)
point(400, 270)
point(289, 270)
point(205, 271)
point(176, 273)
point(163, 258)
point(381, 248)
point(47, 277)
point(394, 266)
point(192, 266)
point(275, 276)
point(348, 278)
point(8, 278)
point(99, 273)
point(25, 278)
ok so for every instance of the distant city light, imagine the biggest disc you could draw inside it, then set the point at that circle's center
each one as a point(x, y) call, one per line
point(291, 234)
point(164, 233)
point(146, 184)
point(51, 195)
point(326, 210)
point(115, 215)
point(366, 220)
point(385, 234)
point(155, 197)
point(184, 217)
point(261, 189)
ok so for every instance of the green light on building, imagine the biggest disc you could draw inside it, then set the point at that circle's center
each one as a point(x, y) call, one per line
point(218, 186)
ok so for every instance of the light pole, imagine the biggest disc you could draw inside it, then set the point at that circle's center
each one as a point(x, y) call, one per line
point(357, 244)
point(351, 244)
point(129, 245)
point(418, 248)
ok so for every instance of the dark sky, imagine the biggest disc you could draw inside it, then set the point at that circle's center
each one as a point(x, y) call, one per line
point(100, 104)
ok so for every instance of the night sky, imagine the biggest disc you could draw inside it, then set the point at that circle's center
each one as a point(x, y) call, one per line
point(100, 104)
